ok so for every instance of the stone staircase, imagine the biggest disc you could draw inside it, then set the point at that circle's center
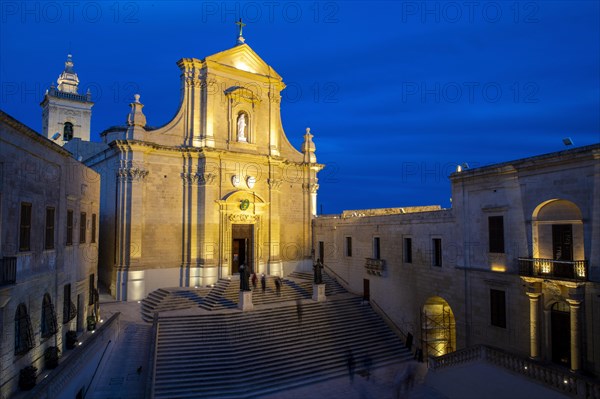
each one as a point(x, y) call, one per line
point(225, 294)
point(251, 354)
point(165, 299)
point(332, 287)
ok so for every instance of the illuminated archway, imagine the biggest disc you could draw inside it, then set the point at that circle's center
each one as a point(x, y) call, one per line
point(557, 238)
point(438, 327)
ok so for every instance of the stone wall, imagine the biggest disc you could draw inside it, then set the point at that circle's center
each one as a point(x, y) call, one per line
point(36, 171)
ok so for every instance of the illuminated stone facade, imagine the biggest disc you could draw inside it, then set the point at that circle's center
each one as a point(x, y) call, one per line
point(219, 185)
point(49, 207)
point(517, 264)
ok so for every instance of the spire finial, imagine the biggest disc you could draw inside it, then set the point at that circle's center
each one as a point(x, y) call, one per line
point(240, 39)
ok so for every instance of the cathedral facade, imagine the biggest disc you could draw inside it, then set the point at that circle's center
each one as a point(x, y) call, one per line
point(218, 186)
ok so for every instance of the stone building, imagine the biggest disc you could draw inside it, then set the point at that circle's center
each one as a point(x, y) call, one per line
point(218, 186)
point(49, 207)
point(515, 263)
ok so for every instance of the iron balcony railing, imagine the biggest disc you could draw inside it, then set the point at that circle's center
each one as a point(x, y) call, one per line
point(8, 270)
point(374, 266)
point(554, 269)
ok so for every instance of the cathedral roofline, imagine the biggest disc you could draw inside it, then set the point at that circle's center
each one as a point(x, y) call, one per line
point(241, 58)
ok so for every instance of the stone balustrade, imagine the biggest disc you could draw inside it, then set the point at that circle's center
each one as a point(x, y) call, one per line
point(554, 269)
point(559, 379)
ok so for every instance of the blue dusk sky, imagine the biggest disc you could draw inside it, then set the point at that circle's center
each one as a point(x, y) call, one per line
point(396, 93)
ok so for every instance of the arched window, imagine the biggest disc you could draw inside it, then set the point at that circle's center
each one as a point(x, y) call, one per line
point(23, 331)
point(68, 131)
point(49, 326)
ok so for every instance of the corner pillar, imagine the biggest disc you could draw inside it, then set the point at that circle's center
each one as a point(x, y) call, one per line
point(534, 339)
point(575, 306)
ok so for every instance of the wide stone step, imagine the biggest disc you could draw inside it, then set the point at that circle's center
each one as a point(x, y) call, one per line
point(196, 354)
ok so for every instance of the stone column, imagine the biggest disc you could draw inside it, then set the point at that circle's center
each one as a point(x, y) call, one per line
point(575, 306)
point(189, 263)
point(274, 256)
point(534, 349)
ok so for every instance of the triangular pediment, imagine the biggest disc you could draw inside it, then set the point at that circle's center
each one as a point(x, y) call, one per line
point(243, 58)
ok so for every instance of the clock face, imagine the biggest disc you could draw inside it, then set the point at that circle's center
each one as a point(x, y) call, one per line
point(244, 204)
point(250, 181)
point(235, 180)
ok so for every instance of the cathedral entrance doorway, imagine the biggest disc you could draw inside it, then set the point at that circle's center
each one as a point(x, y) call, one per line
point(242, 247)
point(561, 333)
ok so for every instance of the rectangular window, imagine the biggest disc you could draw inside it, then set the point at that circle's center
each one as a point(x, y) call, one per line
point(376, 248)
point(25, 227)
point(348, 246)
point(49, 242)
point(408, 250)
point(69, 227)
point(498, 308)
point(496, 234)
point(82, 225)
point(67, 303)
point(92, 288)
point(437, 252)
point(93, 238)
point(322, 251)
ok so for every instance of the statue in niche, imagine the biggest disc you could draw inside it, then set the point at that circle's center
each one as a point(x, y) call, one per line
point(241, 127)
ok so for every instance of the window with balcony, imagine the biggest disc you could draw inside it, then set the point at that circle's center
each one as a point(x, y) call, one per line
point(557, 243)
point(376, 248)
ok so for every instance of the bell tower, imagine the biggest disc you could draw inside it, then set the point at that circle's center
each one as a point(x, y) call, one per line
point(66, 114)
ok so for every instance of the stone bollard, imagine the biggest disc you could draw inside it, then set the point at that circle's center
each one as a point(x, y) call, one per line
point(319, 292)
point(245, 302)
